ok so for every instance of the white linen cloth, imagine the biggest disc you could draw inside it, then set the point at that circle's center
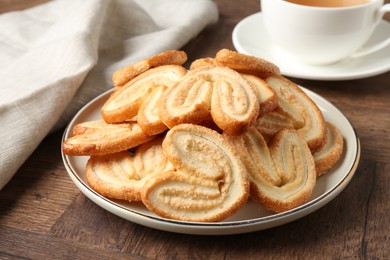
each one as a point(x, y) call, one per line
point(56, 57)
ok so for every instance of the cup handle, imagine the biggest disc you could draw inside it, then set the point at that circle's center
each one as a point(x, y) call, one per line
point(376, 47)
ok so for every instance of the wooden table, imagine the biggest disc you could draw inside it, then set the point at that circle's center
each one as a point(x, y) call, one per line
point(44, 215)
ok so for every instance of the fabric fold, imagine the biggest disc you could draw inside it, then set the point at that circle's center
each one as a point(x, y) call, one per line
point(56, 57)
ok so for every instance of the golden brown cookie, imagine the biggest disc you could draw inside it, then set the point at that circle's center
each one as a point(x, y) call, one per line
point(330, 153)
point(187, 102)
point(125, 102)
point(122, 175)
point(246, 64)
point(282, 173)
point(100, 138)
point(171, 57)
point(294, 103)
point(210, 184)
point(215, 90)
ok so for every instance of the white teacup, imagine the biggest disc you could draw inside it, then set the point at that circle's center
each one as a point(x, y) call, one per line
point(323, 35)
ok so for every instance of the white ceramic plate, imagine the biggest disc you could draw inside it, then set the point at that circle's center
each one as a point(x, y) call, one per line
point(250, 37)
point(252, 217)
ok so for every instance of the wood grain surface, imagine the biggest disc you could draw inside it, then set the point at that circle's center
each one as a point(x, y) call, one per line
point(44, 216)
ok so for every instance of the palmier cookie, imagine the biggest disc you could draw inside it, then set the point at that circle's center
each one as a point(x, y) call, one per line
point(299, 107)
point(330, 153)
point(246, 64)
point(282, 174)
point(215, 90)
point(99, 138)
point(122, 175)
point(125, 102)
point(265, 95)
point(171, 57)
point(210, 184)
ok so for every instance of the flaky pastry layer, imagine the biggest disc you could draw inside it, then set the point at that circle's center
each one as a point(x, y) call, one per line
point(246, 63)
point(282, 173)
point(147, 117)
point(210, 182)
point(125, 102)
point(265, 95)
point(271, 123)
point(99, 138)
point(217, 91)
point(122, 175)
point(294, 103)
point(330, 153)
point(170, 57)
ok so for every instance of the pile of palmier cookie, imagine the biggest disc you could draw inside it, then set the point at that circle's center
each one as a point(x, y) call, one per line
point(195, 145)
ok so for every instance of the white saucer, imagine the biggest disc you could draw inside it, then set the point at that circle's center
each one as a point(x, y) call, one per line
point(250, 37)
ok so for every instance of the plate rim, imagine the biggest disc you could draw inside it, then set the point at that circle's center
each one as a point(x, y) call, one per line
point(209, 228)
point(351, 75)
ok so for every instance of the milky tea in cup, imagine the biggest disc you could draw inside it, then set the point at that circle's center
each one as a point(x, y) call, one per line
point(329, 3)
point(322, 32)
